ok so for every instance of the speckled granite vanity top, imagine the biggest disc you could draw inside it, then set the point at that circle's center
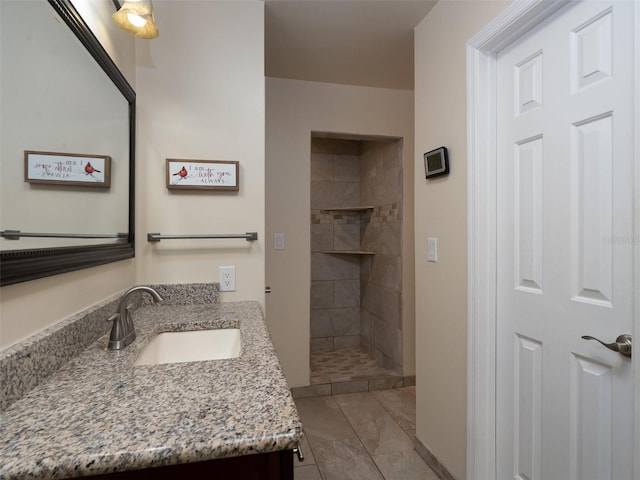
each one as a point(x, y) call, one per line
point(99, 413)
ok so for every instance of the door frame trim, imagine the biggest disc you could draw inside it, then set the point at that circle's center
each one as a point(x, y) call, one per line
point(510, 25)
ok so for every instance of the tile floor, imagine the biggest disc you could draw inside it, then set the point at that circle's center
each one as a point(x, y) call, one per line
point(360, 436)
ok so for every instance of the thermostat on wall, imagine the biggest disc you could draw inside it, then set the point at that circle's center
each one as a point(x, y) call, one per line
point(436, 163)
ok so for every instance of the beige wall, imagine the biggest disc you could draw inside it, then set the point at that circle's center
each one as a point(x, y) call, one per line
point(119, 44)
point(27, 308)
point(295, 109)
point(201, 96)
point(441, 211)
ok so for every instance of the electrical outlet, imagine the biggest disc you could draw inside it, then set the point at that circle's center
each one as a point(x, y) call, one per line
point(227, 276)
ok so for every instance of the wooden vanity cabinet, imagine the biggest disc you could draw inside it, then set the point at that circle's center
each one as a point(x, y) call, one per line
point(262, 466)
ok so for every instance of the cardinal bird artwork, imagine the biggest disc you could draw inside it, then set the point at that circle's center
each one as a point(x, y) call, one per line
point(90, 170)
point(182, 173)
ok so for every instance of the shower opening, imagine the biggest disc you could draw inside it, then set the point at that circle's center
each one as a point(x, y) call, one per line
point(356, 262)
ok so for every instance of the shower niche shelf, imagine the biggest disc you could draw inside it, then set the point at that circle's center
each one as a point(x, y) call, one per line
point(354, 209)
point(361, 209)
point(348, 252)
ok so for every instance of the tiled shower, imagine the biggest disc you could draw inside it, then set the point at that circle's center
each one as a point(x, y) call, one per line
point(356, 267)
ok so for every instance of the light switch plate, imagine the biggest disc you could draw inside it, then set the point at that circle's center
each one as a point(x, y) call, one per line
point(432, 249)
point(278, 241)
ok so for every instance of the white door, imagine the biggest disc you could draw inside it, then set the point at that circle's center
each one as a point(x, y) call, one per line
point(564, 246)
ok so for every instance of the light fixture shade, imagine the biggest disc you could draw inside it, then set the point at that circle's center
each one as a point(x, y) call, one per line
point(141, 12)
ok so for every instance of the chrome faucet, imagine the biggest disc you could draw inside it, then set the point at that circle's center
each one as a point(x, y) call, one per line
point(123, 331)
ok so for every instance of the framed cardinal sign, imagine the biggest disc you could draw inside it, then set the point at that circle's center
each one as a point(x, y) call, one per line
point(76, 169)
point(203, 175)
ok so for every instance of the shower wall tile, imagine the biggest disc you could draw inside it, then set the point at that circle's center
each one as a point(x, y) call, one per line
point(346, 321)
point(390, 240)
point(335, 217)
point(336, 280)
point(321, 344)
point(321, 237)
point(370, 299)
point(321, 167)
point(334, 267)
point(334, 322)
point(346, 293)
point(366, 326)
point(321, 325)
point(392, 308)
point(384, 303)
point(386, 271)
point(367, 347)
point(381, 173)
point(382, 238)
point(388, 212)
point(372, 161)
point(335, 146)
point(346, 168)
point(377, 355)
point(346, 236)
point(381, 277)
point(321, 294)
point(391, 363)
point(387, 339)
point(347, 341)
point(365, 269)
point(369, 235)
point(334, 194)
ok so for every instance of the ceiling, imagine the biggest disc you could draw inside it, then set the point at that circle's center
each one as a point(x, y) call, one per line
point(354, 42)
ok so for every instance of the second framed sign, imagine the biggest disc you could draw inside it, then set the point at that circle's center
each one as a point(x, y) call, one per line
point(202, 175)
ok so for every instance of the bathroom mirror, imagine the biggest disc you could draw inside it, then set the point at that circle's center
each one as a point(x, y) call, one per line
point(61, 94)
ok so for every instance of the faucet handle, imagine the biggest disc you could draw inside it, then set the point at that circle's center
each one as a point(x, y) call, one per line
point(118, 332)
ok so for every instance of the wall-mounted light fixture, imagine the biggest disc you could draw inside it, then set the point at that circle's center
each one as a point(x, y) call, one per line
point(136, 17)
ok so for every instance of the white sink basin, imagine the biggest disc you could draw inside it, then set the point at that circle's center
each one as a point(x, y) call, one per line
point(191, 346)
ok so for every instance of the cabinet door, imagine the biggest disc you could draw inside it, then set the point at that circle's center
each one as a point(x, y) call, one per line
point(263, 466)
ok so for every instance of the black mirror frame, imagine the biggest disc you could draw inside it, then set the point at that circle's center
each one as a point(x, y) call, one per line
point(23, 265)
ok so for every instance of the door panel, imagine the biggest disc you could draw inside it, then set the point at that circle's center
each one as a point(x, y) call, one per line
point(564, 206)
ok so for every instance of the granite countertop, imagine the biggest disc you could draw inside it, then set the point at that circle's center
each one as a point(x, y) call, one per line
point(100, 413)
